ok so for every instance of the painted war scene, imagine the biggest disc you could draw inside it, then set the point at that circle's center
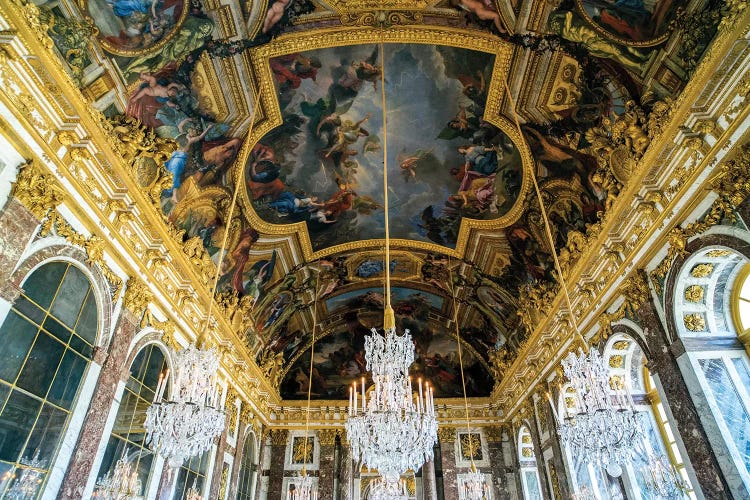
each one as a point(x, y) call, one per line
point(323, 165)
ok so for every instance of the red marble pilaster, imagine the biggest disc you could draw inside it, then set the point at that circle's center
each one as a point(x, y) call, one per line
point(17, 226)
point(448, 455)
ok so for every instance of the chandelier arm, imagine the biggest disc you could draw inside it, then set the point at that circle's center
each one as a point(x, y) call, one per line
point(238, 183)
point(547, 228)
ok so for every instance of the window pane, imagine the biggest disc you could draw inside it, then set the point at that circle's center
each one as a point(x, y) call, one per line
point(43, 283)
point(16, 336)
point(47, 432)
point(69, 299)
point(57, 329)
point(88, 322)
point(31, 311)
point(730, 406)
point(40, 367)
point(4, 391)
point(16, 421)
point(532, 484)
point(69, 377)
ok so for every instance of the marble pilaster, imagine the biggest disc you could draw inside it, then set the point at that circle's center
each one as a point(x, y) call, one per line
point(114, 369)
point(447, 438)
point(276, 464)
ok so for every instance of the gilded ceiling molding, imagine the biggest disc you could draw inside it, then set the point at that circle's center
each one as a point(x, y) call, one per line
point(641, 206)
point(731, 183)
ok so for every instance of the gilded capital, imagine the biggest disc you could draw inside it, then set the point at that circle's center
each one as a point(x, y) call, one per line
point(278, 437)
point(137, 296)
point(446, 434)
point(36, 190)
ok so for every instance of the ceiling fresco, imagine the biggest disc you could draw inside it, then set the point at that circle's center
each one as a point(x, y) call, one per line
point(278, 105)
point(324, 164)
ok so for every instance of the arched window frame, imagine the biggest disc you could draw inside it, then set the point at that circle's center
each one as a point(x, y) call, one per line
point(37, 255)
point(528, 465)
point(248, 460)
point(715, 356)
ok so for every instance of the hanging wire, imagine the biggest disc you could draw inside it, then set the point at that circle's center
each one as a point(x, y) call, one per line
point(454, 294)
point(389, 319)
point(309, 381)
point(227, 224)
point(547, 226)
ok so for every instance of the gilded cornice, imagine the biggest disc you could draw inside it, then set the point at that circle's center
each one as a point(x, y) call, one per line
point(664, 186)
point(83, 151)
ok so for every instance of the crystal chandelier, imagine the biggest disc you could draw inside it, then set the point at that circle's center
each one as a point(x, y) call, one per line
point(186, 425)
point(662, 478)
point(602, 425)
point(393, 429)
point(304, 488)
point(193, 493)
point(390, 429)
point(28, 483)
point(381, 489)
point(474, 486)
point(121, 484)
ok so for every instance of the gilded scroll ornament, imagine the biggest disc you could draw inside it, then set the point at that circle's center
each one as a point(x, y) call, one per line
point(36, 190)
point(621, 345)
point(694, 293)
point(694, 322)
point(635, 291)
point(732, 183)
point(381, 18)
point(718, 253)
point(71, 37)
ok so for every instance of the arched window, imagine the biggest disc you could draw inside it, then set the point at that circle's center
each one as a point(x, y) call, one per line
point(532, 489)
point(192, 474)
point(711, 299)
point(626, 363)
point(46, 344)
point(627, 366)
point(127, 440)
point(248, 470)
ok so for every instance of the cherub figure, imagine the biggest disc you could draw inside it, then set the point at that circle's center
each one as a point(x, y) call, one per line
point(483, 10)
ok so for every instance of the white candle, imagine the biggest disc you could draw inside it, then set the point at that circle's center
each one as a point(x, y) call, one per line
point(354, 390)
point(350, 401)
point(158, 387)
point(163, 385)
point(364, 407)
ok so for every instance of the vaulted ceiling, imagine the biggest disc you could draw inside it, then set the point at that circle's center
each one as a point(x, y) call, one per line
point(277, 104)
